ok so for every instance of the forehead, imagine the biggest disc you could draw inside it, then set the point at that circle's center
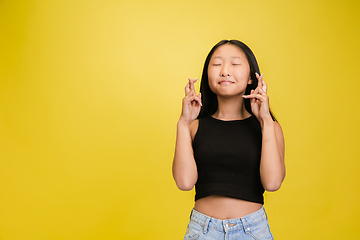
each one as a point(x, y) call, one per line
point(229, 51)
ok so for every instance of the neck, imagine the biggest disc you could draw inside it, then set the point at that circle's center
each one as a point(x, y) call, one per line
point(232, 108)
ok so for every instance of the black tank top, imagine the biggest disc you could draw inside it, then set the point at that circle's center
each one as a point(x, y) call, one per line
point(227, 155)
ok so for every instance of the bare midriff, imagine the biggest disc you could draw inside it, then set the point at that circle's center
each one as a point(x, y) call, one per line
point(222, 207)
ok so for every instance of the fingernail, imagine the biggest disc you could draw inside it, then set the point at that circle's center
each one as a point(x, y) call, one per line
point(256, 74)
point(262, 74)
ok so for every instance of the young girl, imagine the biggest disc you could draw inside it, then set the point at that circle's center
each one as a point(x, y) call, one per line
point(229, 146)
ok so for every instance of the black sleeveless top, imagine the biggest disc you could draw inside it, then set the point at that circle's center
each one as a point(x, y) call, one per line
point(227, 155)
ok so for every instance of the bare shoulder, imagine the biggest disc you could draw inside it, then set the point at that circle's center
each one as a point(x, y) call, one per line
point(193, 128)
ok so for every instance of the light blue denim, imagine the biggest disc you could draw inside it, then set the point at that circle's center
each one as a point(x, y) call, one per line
point(254, 226)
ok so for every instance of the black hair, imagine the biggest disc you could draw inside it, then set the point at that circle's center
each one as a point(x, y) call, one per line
point(209, 98)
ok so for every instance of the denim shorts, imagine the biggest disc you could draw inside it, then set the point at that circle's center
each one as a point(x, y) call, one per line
point(250, 227)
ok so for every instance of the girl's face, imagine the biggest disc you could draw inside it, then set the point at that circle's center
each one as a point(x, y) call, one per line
point(228, 71)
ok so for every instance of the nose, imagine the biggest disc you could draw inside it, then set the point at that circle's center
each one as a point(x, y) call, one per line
point(225, 72)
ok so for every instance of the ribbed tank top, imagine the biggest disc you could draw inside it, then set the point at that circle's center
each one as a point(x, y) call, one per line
point(227, 155)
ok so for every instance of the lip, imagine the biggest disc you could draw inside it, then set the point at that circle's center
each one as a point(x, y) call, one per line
point(226, 82)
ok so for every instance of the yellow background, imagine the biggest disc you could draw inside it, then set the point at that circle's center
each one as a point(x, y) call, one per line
point(90, 93)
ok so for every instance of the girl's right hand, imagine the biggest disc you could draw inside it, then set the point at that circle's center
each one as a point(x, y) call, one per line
point(191, 104)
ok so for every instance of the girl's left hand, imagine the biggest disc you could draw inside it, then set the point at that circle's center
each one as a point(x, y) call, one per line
point(259, 100)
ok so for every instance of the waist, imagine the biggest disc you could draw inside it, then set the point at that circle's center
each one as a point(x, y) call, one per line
point(252, 191)
point(222, 207)
point(234, 224)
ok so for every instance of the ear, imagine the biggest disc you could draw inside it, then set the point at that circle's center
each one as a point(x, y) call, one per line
point(250, 81)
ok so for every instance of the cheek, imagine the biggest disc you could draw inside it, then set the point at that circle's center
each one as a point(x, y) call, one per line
point(211, 81)
point(243, 74)
point(213, 74)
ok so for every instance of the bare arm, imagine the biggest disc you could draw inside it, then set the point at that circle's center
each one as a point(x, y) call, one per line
point(184, 166)
point(272, 165)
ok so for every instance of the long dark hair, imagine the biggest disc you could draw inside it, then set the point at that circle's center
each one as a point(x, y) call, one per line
point(209, 99)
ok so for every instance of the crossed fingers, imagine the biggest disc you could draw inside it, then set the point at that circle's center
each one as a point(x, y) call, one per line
point(190, 92)
point(261, 82)
point(190, 86)
point(260, 91)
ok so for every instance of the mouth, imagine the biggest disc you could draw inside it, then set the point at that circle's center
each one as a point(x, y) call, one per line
point(226, 82)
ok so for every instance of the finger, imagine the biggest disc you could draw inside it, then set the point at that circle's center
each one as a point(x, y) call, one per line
point(264, 86)
point(190, 94)
point(198, 97)
point(251, 92)
point(252, 100)
point(190, 84)
point(195, 99)
point(256, 91)
point(187, 88)
point(261, 91)
point(261, 83)
point(255, 96)
point(259, 79)
point(192, 81)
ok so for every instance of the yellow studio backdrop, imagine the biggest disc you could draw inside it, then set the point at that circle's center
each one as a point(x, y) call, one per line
point(90, 93)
